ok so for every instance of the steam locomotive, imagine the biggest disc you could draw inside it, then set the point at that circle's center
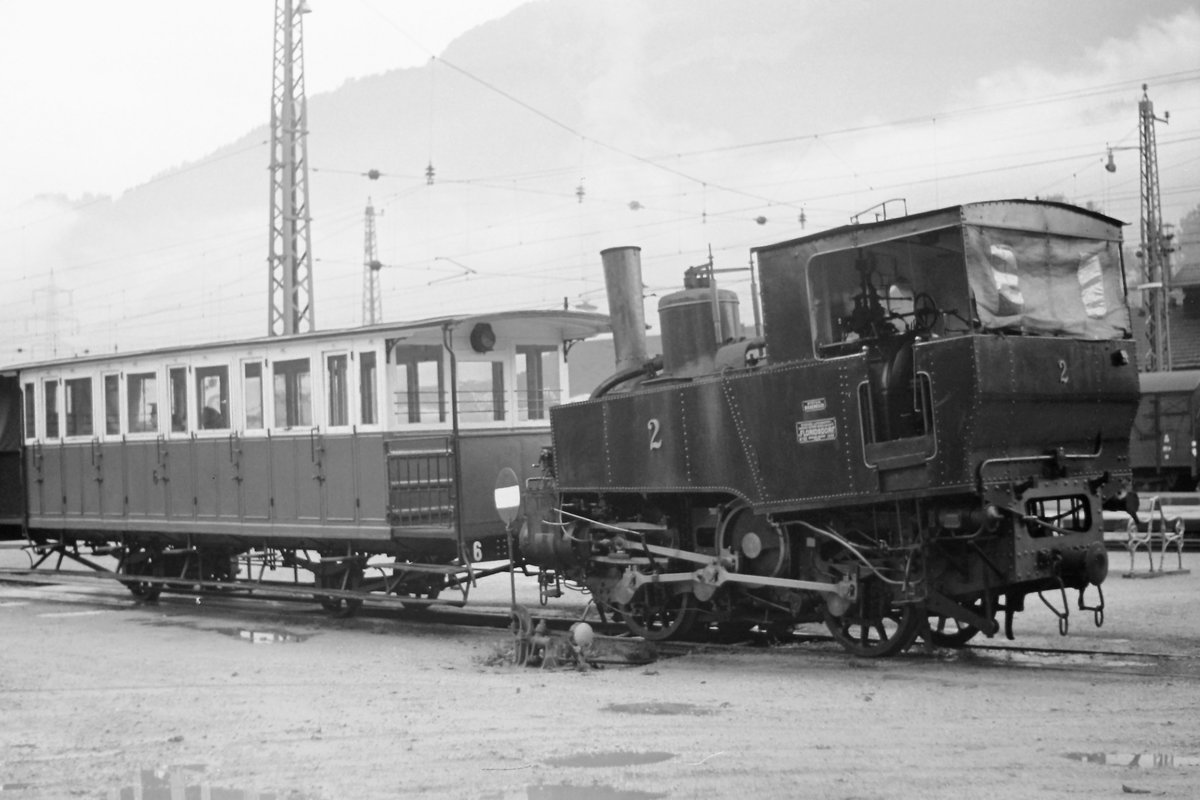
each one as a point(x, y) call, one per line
point(923, 435)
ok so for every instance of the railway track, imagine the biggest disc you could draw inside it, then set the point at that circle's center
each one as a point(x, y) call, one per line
point(267, 608)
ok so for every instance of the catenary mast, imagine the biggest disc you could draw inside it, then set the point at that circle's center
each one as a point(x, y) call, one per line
point(372, 297)
point(290, 251)
point(1155, 247)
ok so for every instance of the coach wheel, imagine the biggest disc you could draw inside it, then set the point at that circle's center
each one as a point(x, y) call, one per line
point(142, 562)
point(348, 579)
point(875, 633)
point(656, 613)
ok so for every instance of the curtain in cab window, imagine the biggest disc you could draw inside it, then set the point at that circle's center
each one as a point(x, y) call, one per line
point(1042, 284)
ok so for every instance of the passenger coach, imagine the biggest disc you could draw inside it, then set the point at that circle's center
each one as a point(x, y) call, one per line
point(320, 451)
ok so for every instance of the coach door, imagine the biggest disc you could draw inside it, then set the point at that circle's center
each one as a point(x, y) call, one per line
point(12, 498)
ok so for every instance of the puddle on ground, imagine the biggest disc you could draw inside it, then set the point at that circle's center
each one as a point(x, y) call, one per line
point(251, 635)
point(665, 709)
point(1144, 760)
point(610, 759)
point(263, 636)
point(184, 782)
point(1051, 660)
point(569, 792)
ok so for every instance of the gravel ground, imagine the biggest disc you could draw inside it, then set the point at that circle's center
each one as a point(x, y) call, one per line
point(103, 697)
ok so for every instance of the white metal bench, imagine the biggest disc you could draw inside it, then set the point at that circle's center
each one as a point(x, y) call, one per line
point(1158, 529)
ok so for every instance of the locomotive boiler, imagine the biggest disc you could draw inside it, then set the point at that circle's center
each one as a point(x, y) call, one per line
point(923, 436)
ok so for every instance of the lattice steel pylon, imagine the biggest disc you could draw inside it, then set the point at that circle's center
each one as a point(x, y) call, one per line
point(1155, 247)
point(290, 251)
point(372, 297)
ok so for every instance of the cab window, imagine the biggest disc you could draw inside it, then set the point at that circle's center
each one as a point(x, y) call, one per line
point(914, 285)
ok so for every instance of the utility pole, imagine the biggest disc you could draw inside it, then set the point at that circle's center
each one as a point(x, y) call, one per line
point(1155, 249)
point(55, 319)
point(372, 297)
point(290, 251)
point(1156, 244)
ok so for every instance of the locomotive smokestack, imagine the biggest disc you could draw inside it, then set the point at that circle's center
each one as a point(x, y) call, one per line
point(623, 282)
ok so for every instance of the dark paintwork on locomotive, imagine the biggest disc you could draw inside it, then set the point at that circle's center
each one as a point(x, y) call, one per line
point(737, 433)
point(790, 435)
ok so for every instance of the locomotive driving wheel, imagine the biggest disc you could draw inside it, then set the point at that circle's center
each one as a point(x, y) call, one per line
point(875, 633)
point(949, 632)
point(656, 613)
point(874, 624)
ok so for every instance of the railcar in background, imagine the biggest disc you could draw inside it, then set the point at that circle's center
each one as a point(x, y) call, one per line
point(360, 461)
point(1162, 445)
point(925, 434)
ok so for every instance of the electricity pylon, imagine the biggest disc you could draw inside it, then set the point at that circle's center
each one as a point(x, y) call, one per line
point(290, 251)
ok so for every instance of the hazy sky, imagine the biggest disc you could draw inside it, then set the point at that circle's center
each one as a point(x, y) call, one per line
point(750, 112)
point(77, 75)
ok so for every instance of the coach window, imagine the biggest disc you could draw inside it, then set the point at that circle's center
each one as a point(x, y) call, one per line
point(177, 382)
point(212, 397)
point(252, 395)
point(30, 412)
point(112, 404)
point(420, 393)
point(481, 391)
point(50, 395)
point(293, 393)
point(141, 397)
point(538, 385)
point(78, 401)
point(338, 392)
point(367, 394)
